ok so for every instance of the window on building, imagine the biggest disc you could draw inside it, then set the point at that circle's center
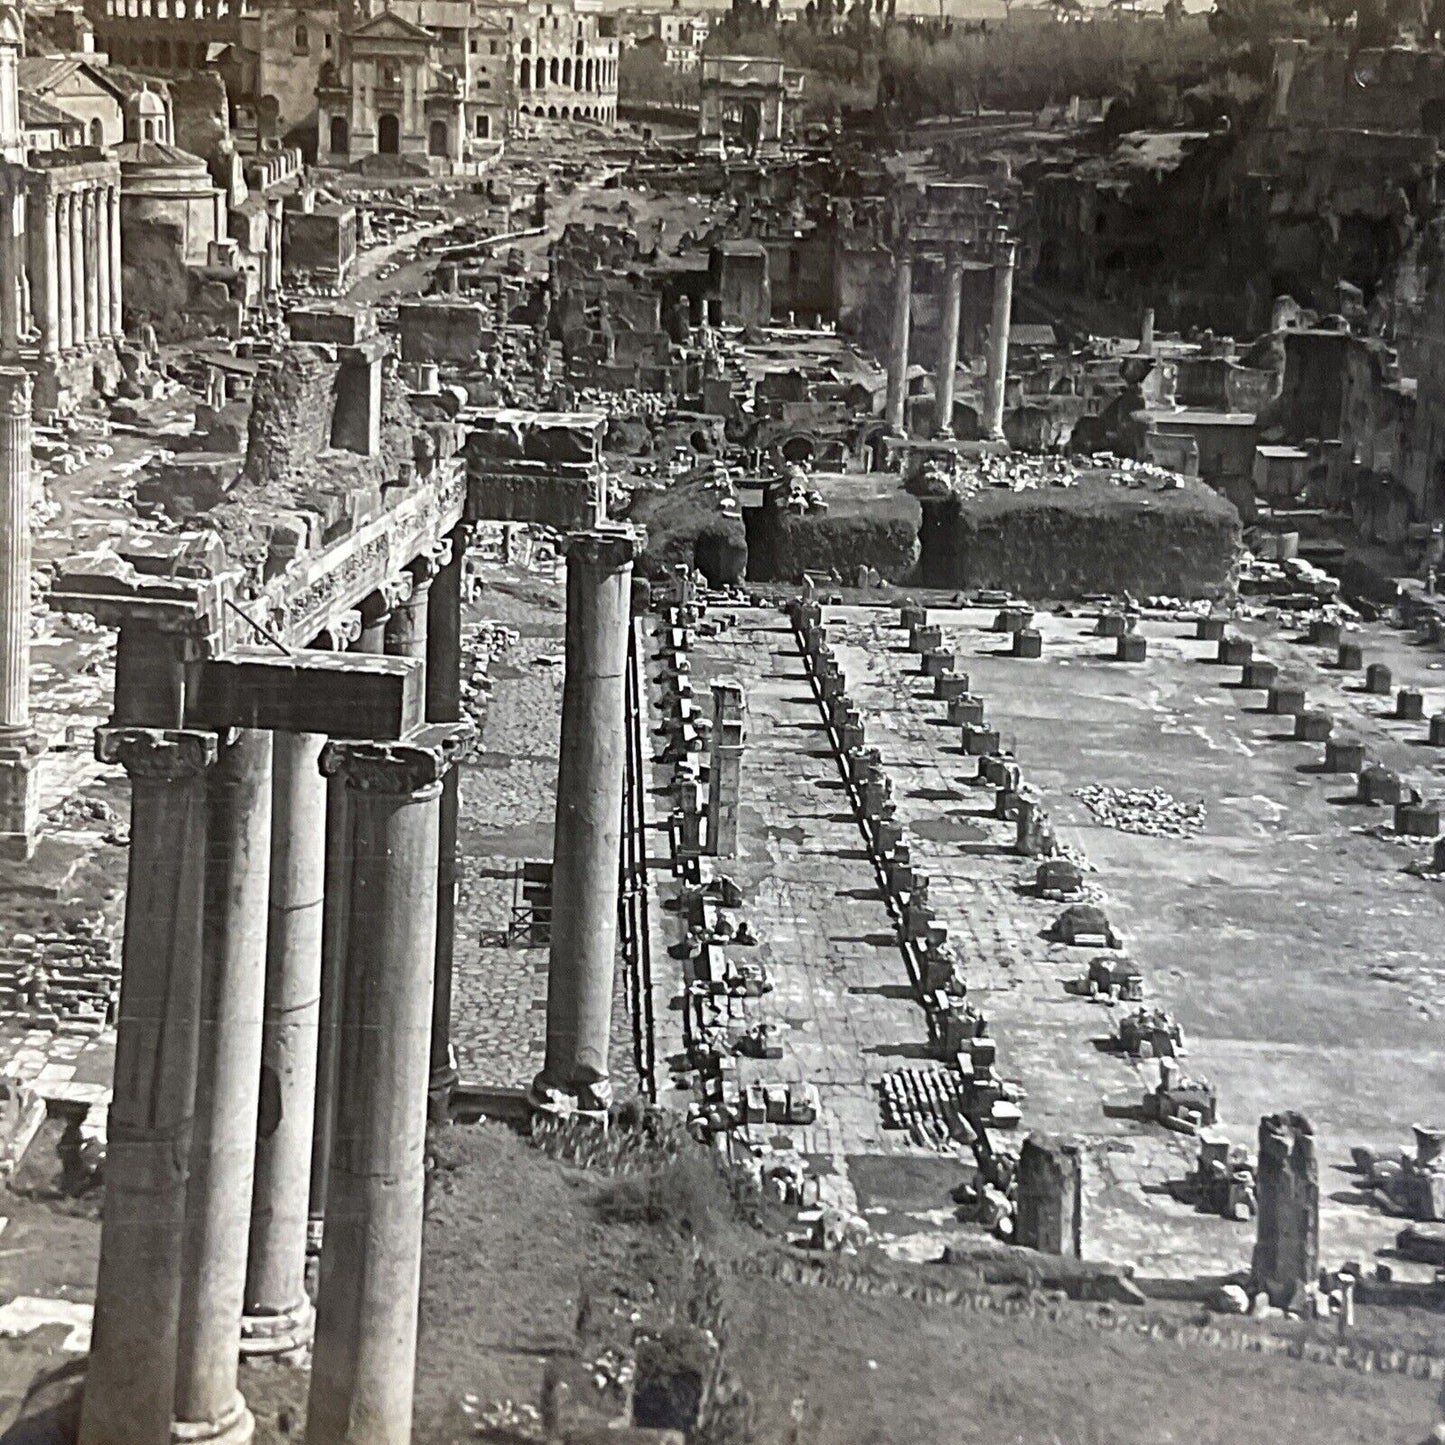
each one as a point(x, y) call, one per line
point(302, 40)
point(484, 127)
point(472, 47)
point(493, 48)
point(326, 40)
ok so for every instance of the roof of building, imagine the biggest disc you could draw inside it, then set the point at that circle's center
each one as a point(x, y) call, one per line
point(37, 114)
point(151, 153)
point(43, 73)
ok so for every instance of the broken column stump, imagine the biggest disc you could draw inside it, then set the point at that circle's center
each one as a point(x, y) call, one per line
point(1287, 1245)
point(1050, 1214)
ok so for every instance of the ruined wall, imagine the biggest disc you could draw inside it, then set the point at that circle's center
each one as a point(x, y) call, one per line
point(1083, 539)
point(291, 413)
point(200, 111)
point(882, 534)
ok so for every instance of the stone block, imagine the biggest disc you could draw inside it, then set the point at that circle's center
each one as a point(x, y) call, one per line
point(1259, 675)
point(1344, 755)
point(925, 639)
point(1324, 633)
point(1012, 619)
point(1378, 679)
point(1437, 730)
point(1351, 657)
point(338, 324)
point(979, 741)
point(1417, 820)
point(1209, 629)
point(1410, 704)
point(1285, 699)
point(1111, 624)
point(966, 710)
point(1050, 1215)
point(1028, 642)
point(1235, 651)
point(1131, 648)
point(936, 662)
point(1312, 727)
point(950, 685)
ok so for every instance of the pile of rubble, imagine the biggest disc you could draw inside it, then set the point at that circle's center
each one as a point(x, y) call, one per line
point(1022, 472)
point(67, 979)
point(1148, 811)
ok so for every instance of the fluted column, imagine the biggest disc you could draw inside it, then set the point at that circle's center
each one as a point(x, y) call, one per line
point(117, 325)
point(20, 746)
point(898, 343)
point(77, 270)
point(587, 844)
point(948, 348)
point(998, 333)
point(65, 327)
point(90, 244)
point(130, 1379)
point(364, 1359)
point(15, 549)
point(208, 1403)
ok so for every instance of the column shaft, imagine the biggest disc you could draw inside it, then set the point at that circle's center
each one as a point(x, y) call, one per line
point(948, 350)
point(998, 329)
point(278, 1312)
point(444, 705)
point(44, 279)
point(65, 328)
point(898, 343)
point(223, 1149)
point(102, 262)
point(90, 244)
point(365, 1351)
point(586, 852)
point(130, 1381)
point(117, 327)
point(12, 241)
point(15, 549)
point(78, 282)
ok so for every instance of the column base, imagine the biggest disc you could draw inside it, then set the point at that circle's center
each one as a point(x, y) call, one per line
point(286, 1333)
point(588, 1102)
point(439, 1091)
point(236, 1427)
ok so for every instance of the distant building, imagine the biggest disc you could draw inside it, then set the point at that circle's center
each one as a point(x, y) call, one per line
point(565, 58)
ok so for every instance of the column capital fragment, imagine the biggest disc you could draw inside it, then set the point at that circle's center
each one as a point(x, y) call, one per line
point(612, 548)
point(413, 767)
point(160, 754)
point(14, 392)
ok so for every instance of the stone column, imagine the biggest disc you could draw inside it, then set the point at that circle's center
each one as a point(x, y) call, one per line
point(130, 1381)
point(725, 769)
point(278, 1315)
point(12, 242)
point(898, 342)
point(223, 1149)
point(20, 747)
point(1287, 1246)
point(586, 853)
point(1050, 1196)
point(65, 328)
point(444, 705)
point(375, 616)
point(44, 278)
point(117, 325)
point(102, 263)
point(334, 911)
point(998, 329)
point(364, 1357)
point(948, 348)
point(78, 280)
point(90, 243)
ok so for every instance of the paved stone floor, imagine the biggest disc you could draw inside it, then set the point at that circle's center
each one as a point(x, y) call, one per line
point(1301, 959)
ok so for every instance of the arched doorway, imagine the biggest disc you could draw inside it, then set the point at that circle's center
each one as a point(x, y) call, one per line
point(340, 135)
point(438, 139)
point(388, 134)
point(524, 78)
point(551, 112)
point(567, 71)
point(554, 70)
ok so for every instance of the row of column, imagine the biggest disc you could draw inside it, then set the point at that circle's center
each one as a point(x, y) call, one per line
point(996, 359)
point(288, 909)
point(285, 1017)
point(68, 286)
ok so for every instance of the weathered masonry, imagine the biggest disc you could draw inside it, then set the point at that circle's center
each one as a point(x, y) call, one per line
point(287, 705)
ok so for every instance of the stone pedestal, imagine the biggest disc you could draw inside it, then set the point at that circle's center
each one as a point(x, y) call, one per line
point(998, 333)
point(725, 769)
point(1050, 1196)
point(364, 1356)
point(130, 1382)
point(588, 841)
point(1287, 1247)
point(278, 1313)
point(898, 344)
point(223, 1146)
point(948, 349)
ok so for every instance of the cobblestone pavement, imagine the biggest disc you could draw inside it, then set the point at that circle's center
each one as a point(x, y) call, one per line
point(841, 1002)
point(1290, 944)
